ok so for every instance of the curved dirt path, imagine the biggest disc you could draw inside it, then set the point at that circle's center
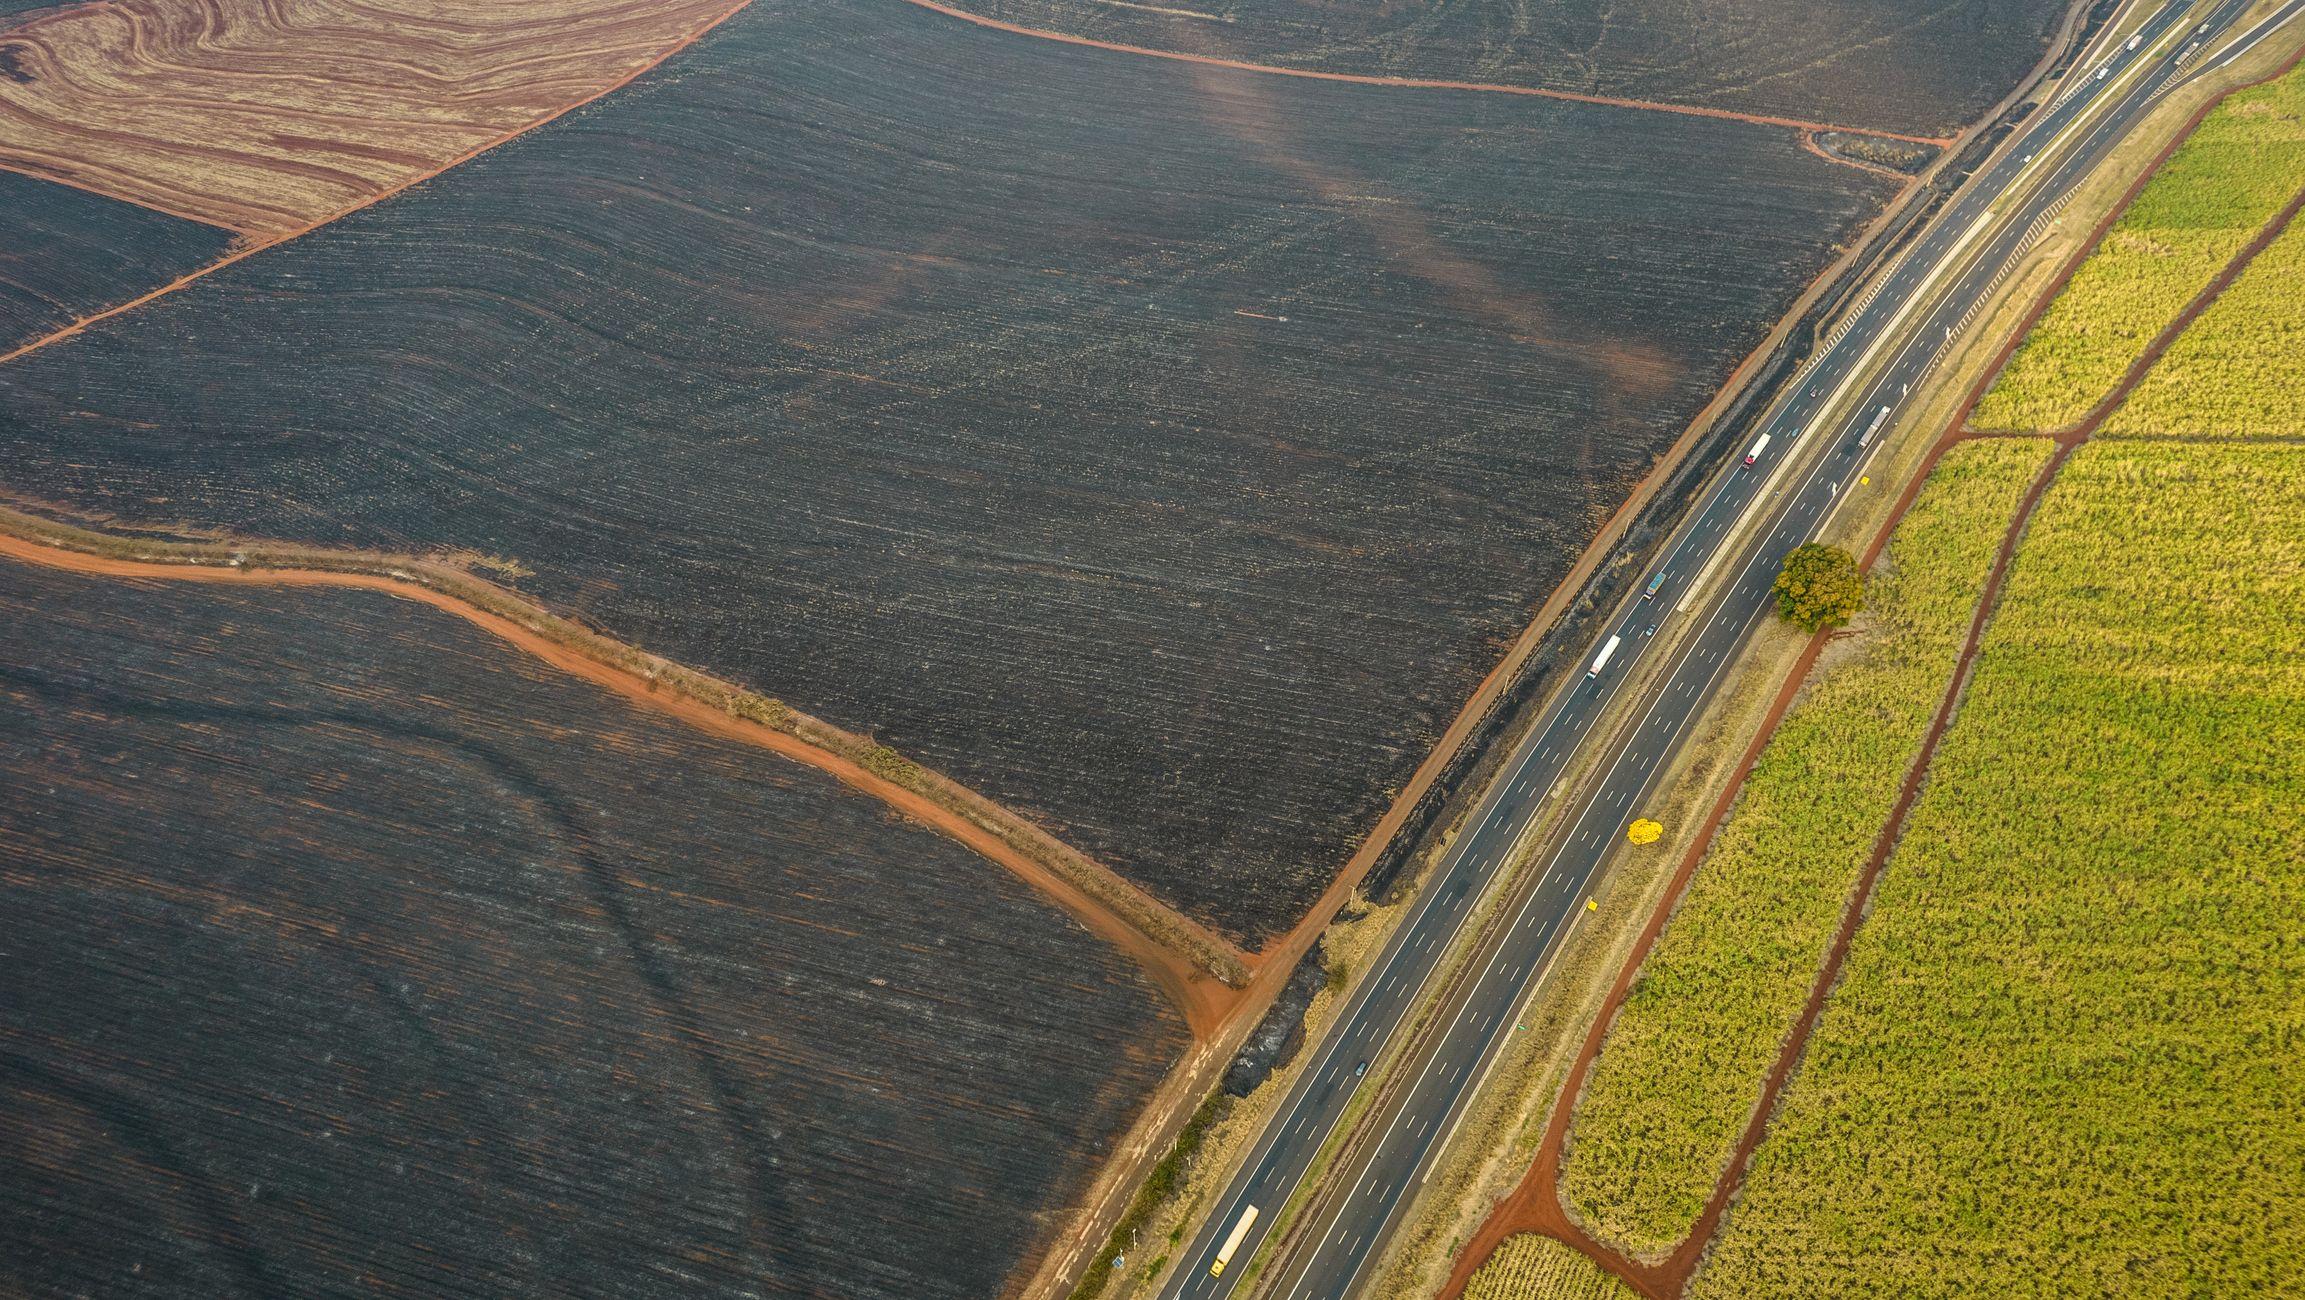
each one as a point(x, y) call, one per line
point(1427, 83)
point(1204, 1001)
point(1536, 1205)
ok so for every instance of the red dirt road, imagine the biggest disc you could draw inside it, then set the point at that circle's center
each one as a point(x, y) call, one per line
point(1425, 83)
point(1205, 1002)
point(1536, 1205)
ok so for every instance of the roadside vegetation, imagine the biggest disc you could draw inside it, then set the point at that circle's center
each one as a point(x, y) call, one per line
point(1677, 1078)
point(1157, 1188)
point(1819, 586)
point(2234, 372)
point(1157, 1225)
point(1533, 1267)
point(2067, 1051)
point(2234, 174)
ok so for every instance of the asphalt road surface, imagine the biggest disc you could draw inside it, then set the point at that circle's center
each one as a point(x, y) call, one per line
point(1882, 354)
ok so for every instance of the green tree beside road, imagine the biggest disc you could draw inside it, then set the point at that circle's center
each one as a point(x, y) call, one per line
point(1819, 587)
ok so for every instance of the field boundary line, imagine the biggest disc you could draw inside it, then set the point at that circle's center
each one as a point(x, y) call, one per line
point(2143, 363)
point(1536, 1205)
point(73, 183)
point(80, 324)
point(1683, 1262)
point(2088, 248)
point(1197, 970)
point(1430, 83)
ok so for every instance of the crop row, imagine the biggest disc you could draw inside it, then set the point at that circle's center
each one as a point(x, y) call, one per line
point(70, 254)
point(351, 952)
point(1164, 453)
point(2234, 371)
point(2214, 194)
point(1682, 1066)
point(1867, 63)
point(2067, 1051)
point(1533, 1267)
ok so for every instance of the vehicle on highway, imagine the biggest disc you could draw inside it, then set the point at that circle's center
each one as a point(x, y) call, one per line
point(1656, 585)
point(1885, 355)
point(1601, 660)
point(1865, 439)
point(1233, 1241)
point(1361, 1069)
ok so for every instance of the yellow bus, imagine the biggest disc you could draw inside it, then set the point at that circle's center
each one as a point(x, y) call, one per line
point(1233, 1242)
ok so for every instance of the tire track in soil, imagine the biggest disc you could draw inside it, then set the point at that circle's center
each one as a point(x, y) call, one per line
point(1536, 1205)
point(1423, 83)
point(137, 1130)
point(733, 1110)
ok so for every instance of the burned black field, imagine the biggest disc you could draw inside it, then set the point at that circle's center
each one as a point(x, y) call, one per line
point(1926, 68)
point(66, 253)
point(350, 952)
point(1162, 450)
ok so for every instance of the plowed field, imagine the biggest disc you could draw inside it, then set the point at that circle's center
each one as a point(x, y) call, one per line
point(65, 253)
point(1926, 68)
point(1162, 450)
point(267, 115)
point(350, 953)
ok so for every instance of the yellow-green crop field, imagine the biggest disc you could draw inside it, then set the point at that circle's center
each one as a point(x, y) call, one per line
point(2234, 174)
point(1533, 1267)
point(2239, 370)
point(1684, 1064)
point(2067, 1056)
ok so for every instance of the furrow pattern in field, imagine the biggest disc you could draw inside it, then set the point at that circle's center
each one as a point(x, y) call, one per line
point(1161, 451)
point(351, 952)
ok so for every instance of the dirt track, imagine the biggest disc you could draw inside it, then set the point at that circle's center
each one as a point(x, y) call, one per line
point(1205, 1001)
point(1536, 1205)
point(1425, 83)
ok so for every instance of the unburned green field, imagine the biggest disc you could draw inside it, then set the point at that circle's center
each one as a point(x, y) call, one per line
point(2067, 1053)
point(2210, 199)
point(1531, 1267)
point(2234, 372)
point(1681, 1069)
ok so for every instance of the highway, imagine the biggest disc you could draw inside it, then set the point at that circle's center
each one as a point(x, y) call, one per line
point(1718, 567)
